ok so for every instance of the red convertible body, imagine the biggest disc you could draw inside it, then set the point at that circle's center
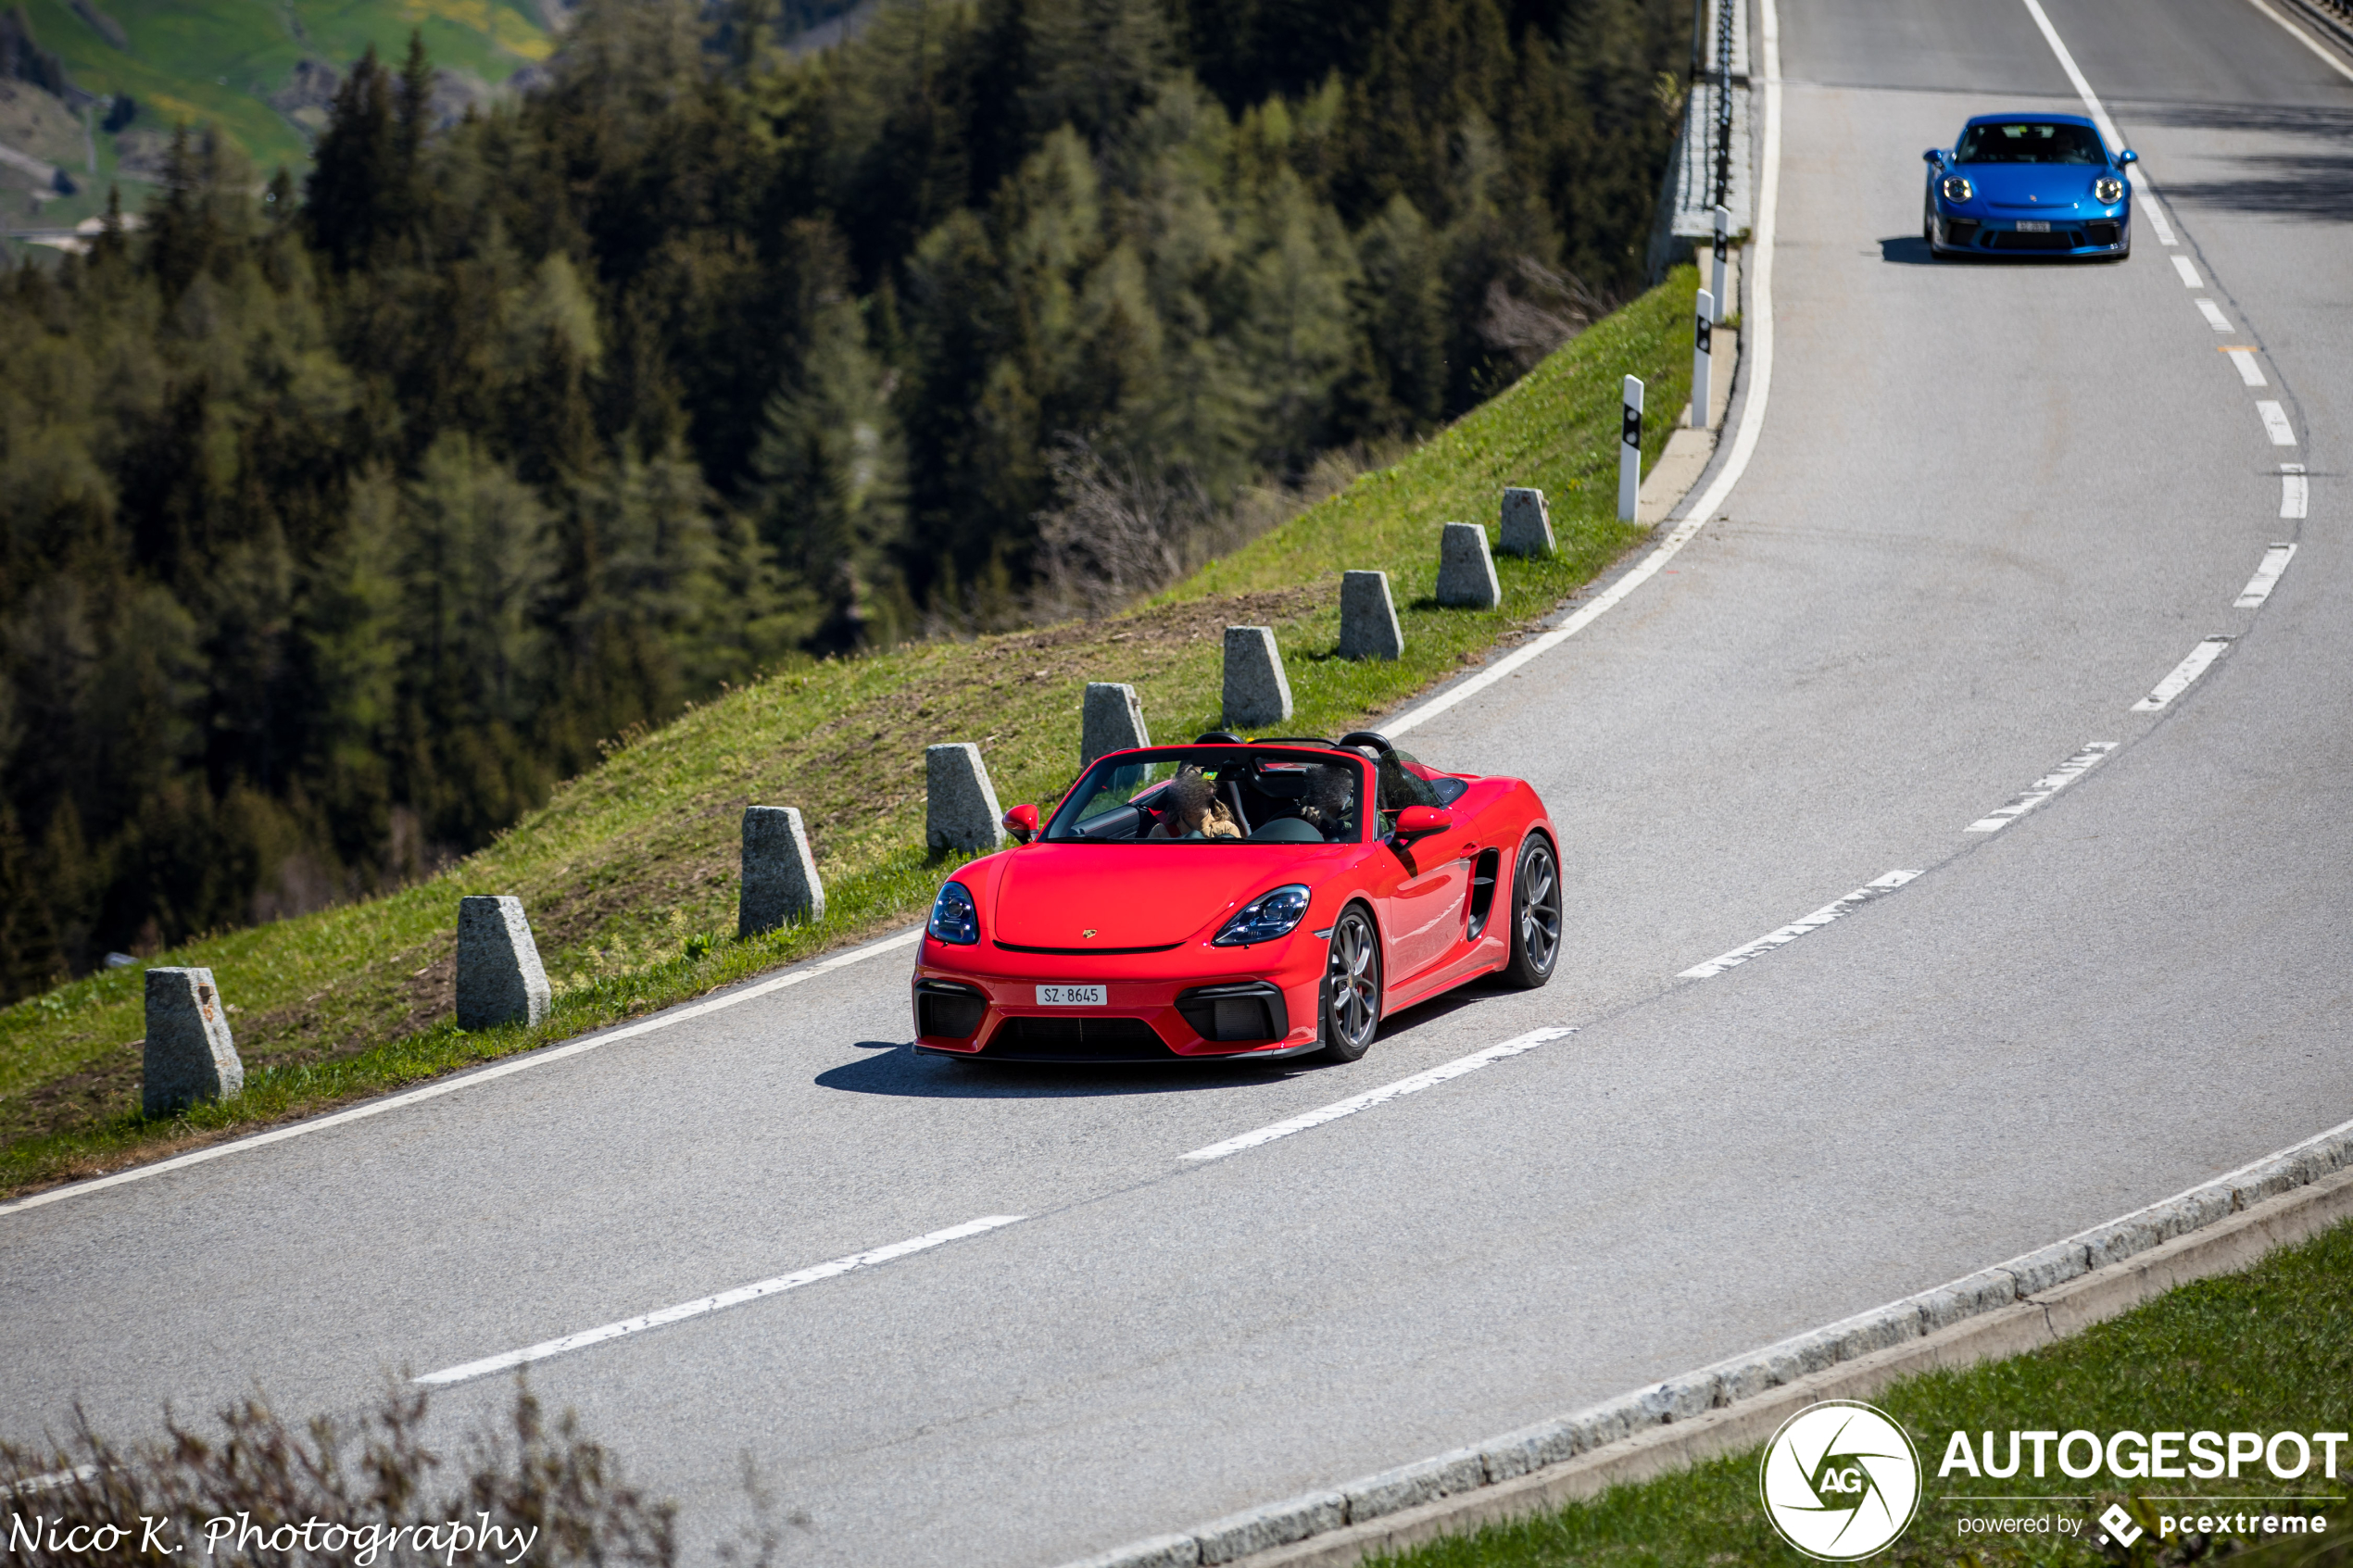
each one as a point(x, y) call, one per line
point(1352, 882)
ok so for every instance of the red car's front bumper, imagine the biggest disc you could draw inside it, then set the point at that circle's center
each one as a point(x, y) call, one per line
point(1192, 1002)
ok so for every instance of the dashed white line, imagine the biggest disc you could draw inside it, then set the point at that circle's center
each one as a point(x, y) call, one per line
point(2243, 359)
point(2275, 423)
point(710, 1304)
point(2189, 273)
point(2267, 577)
point(2214, 317)
point(2042, 789)
point(1836, 908)
point(2296, 493)
point(1381, 1096)
point(2189, 670)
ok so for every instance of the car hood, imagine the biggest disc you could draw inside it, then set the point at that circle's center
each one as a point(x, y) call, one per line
point(1087, 896)
point(2057, 185)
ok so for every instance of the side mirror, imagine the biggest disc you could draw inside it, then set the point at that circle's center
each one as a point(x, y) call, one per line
point(1022, 822)
point(1420, 821)
point(1934, 155)
point(2127, 156)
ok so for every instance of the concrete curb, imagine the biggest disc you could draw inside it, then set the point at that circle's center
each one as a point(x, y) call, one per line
point(2030, 1302)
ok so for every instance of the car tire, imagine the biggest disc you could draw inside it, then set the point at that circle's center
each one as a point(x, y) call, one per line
point(1352, 987)
point(1536, 915)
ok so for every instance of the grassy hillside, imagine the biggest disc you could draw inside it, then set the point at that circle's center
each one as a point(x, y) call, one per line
point(222, 62)
point(630, 872)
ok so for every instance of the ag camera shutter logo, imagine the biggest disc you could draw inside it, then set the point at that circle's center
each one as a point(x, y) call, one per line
point(1841, 1480)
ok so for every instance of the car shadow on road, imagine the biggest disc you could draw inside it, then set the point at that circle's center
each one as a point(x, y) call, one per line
point(894, 1067)
point(1910, 250)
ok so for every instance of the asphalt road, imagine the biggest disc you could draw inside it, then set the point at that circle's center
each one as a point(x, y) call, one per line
point(1993, 507)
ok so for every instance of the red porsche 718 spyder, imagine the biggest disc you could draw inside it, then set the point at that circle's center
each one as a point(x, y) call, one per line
point(1237, 900)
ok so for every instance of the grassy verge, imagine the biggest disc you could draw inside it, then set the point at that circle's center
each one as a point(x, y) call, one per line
point(2267, 1350)
point(629, 873)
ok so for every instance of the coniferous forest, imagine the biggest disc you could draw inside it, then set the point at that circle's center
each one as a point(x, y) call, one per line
point(343, 515)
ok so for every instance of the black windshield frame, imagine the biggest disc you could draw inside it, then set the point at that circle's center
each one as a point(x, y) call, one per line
point(1131, 779)
point(2058, 142)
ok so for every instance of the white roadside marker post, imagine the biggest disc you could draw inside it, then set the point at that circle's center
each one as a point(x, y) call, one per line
point(1723, 241)
point(1630, 452)
point(1703, 356)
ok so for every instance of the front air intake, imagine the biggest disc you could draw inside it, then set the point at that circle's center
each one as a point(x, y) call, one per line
point(945, 1010)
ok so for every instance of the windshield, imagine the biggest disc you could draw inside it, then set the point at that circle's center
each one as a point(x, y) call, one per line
point(1215, 794)
point(2029, 142)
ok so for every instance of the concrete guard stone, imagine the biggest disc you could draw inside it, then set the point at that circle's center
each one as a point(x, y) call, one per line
point(1368, 618)
point(189, 1055)
point(1257, 691)
point(1465, 571)
point(499, 980)
point(1527, 524)
point(1112, 720)
point(959, 804)
point(780, 886)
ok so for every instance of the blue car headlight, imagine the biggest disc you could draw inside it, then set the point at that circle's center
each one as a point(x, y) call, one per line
point(953, 916)
point(2108, 188)
point(1954, 188)
point(1265, 918)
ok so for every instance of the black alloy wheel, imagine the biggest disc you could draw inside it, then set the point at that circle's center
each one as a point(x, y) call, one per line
point(1351, 987)
point(1535, 916)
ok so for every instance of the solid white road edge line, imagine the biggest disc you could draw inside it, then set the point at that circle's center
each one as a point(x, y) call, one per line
point(2275, 423)
point(1759, 328)
point(2214, 317)
point(710, 1304)
point(466, 1081)
point(2042, 789)
point(2189, 670)
point(2295, 491)
point(2183, 265)
point(1381, 1096)
point(2306, 39)
point(2267, 577)
point(2107, 127)
point(2243, 359)
point(1835, 910)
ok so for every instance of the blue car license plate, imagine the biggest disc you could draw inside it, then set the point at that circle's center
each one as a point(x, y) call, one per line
point(2033, 226)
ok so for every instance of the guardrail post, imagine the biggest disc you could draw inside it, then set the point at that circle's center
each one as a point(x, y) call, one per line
point(1723, 242)
point(780, 882)
point(188, 1054)
point(1527, 524)
point(1465, 571)
point(1368, 618)
point(1257, 693)
point(1703, 356)
point(1629, 451)
point(959, 804)
point(1111, 719)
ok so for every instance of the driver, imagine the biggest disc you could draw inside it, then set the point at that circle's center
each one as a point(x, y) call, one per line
point(1190, 809)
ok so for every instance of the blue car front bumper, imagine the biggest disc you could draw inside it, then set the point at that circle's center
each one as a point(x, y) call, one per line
point(2053, 237)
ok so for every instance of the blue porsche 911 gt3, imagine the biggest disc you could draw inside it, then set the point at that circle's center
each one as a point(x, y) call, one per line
point(2039, 183)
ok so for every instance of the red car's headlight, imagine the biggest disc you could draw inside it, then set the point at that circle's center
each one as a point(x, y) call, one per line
point(1265, 917)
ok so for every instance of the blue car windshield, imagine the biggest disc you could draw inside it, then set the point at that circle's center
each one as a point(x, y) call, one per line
point(2026, 141)
point(1215, 794)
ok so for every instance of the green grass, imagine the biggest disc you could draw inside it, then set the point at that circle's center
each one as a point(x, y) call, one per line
point(2267, 1350)
point(629, 873)
point(217, 62)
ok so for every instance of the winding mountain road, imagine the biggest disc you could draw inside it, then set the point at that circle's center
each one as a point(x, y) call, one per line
point(1993, 507)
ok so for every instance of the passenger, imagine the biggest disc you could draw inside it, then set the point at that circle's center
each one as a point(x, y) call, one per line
point(1190, 809)
point(1331, 794)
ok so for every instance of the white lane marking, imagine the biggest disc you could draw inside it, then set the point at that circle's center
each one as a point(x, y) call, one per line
point(709, 1304)
point(2249, 371)
point(2189, 670)
point(2189, 273)
point(2307, 40)
point(2214, 317)
point(2295, 491)
point(2099, 117)
point(480, 1075)
point(1381, 1096)
point(2267, 577)
point(2042, 789)
point(1835, 909)
point(2275, 423)
point(53, 1480)
point(1760, 329)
